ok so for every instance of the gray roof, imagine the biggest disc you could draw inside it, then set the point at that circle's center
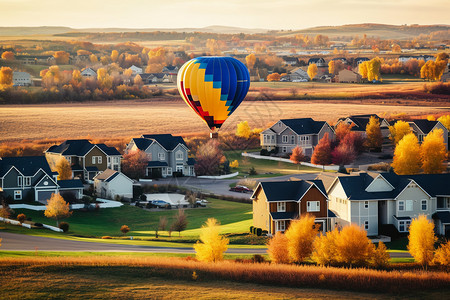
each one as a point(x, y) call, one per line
point(304, 125)
point(168, 141)
point(361, 121)
point(288, 190)
point(27, 165)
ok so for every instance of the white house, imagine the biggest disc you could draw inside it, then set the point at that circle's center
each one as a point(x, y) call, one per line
point(21, 79)
point(135, 70)
point(88, 72)
point(110, 184)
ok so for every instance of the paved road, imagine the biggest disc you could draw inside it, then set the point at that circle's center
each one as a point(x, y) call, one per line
point(20, 242)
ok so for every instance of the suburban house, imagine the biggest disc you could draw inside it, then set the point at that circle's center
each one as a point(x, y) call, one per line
point(348, 76)
point(135, 70)
point(422, 127)
point(342, 59)
point(86, 159)
point(296, 75)
point(21, 79)
point(88, 72)
point(30, 178)
point(277, 203)
point(319, 61)
point(360, 60)
point(111, 183)
point(170, 69)
point(404, 58)
point(166, 153)
point(149, 78)
point(360, 122)
point(286, 134)
point(290, 60)
point(379, 201)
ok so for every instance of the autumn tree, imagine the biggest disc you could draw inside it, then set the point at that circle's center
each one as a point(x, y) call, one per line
point(297, 155)
point(421, 240)
point(433, 152)
point(277, 249)
point(301, 234)
point(114, 55)
point(243, 130)
point(211, 246)
point(21, 218)
point(208, 158)
point(63, 168)
point(342, 129)
point(180, 223)
point(373, 133)
point(322, 152)
point(250, 60)
point(274, 77)
point(324, 246)
point(8, 55)
point(407, 156)
point(57, 208)
point(93, 58)
point(138, 80)
point(380, 256)
point(373, 70)
point(343, 154)
point(103, 78)
point(134, 163)
point(335, 66)
point(61, 57)
point(125, 229)
point(398, 131)
point(312, 71)
point(442, 255)
point(396, 48)
point(6, 78)
point(363, 69)
point(445, 120)
point(353, 247)
point(51, 77)
point(234, 164)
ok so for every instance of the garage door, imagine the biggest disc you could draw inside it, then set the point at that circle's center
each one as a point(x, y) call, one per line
point(44, 195)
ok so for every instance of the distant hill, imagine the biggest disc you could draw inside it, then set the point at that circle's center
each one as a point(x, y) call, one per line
point(373, 30)
point(43, 30)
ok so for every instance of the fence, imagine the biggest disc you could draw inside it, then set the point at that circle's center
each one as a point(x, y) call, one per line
point(105, 204)
point(220, 177)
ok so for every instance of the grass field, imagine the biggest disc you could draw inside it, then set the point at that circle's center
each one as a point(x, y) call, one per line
point(133, 118)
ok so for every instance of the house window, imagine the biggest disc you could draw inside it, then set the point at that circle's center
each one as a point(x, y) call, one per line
point(69, 159)
point(272, 138)
point(161, 156)
point(27, 181)
point(109, 160)
point(366, 204)
point(279, 124)
point(424, 204)
point(403, 225)
point(401, 205)
point(19, 181)
point(284, 139)
point(179, 155)
point(17, 195)
point(409, 205)
point(179, 168)
point(312, 206)
point(284, 149)
point(281, 225)
point(169, 171)
point(292, 139)
point(305, 140)
point(366, 225)
point(420, 137)
point(96, 160)
point(281, 206)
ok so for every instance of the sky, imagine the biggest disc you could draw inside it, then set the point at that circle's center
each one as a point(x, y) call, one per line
point(267, 14)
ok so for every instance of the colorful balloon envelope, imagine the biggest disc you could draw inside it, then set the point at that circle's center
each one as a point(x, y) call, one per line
point(213, 87)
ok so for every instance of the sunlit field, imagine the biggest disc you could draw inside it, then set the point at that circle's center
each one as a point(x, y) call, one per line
point(134, 118)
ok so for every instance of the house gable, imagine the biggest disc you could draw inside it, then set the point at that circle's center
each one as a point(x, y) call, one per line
point(379, 184)
point(413, 191)
point(46, 182)
point(337, 190)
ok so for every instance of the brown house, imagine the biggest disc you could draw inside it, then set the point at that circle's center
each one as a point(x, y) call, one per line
point(348, 77)
point(276, 204)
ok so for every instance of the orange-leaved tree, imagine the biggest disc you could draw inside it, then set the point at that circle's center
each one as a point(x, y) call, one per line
point(322, 152)
point(324, 252)
point(380, 256)
point(274, 77)
point(277, 249)
point(134, 163)
point(373, 132)
point(61, 57)
point(8, 55)
point(353, 247)
point(421, 240)
point(63, 168)
point(398, 131)
point(297, 155)
point(442, 255)
point(445, 120)
point(124, 229)
point(407, 156)
point(433, 152)
point(57, 208)
point(6, 77)
point(301, 234)
point(212, 245)
point(250, 60)
point(312, 71)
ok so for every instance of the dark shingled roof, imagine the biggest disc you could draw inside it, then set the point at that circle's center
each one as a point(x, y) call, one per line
point(108, 150)
point(284, 215)
point(168, 141)
point(155, 164)
point(80, 148)
point(361, 121)
point(402, 218)
point(444, 216)
point(425, 125)
point(288, 190)
point(304, 125)
point(27, 165)
point(142, 144)
point(91, 169)
point(70, 184)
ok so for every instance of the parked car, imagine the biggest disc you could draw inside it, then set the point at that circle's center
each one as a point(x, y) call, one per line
point(201, 202)
point(160, 203)
point(241, 189)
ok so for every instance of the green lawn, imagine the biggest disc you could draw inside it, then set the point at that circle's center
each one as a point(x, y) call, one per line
point(234, 217)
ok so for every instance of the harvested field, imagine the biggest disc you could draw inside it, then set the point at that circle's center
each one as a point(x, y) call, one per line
point(133, 118)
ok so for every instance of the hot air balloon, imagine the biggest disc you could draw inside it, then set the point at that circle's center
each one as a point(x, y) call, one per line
point(213, 87)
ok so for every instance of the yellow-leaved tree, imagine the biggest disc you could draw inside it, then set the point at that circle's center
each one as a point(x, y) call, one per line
point(324, 252)
point(421, 240)
point(442, 255)
point(398, 131)
point(373, 132)
point(63, 168)
point(312, 71)
point(243, 129)
point(250, 60)
point(373, 69)
point(114, 55)
point(57, 208)
point(301, 234)
point(380, 256)
point(277, 249)
point(363, 69)
point(6, 77)
point(103, 78)
point(353, 247)
point(407, 156)
point(433, 152)
point(212, 245)
point(445, 120)
point(234, 164)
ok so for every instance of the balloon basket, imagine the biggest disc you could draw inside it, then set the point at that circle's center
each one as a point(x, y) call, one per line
point(214, 135)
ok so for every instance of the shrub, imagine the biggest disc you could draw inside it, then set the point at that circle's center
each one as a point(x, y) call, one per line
point(64, 226)
point(21, 218)
point(38, 225)
point(277, 249)
point(252, 171)
point(380, 256)
point(124, 229)
point(258, 232)
point(106, 237)
point(212, 245)
point(251, 229)
point(264, 152)
point(324, 252)
point(379, 167)
point(353, 247)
